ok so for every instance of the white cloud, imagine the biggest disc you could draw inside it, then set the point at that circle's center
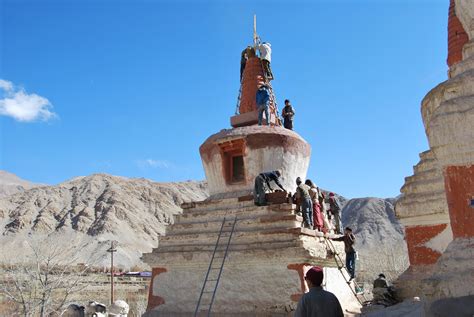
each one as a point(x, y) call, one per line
point(154, 163)
point(17, 103)
point(6, 85)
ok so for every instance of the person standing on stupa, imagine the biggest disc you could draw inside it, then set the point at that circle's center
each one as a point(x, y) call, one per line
point(317, 216)
point(335, 210)
point(288, 114)
point(263, 103)
point(265, 50)
point(304, 200)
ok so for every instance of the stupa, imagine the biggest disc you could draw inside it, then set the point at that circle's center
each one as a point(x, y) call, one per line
point(437, 206)
point(269, 251)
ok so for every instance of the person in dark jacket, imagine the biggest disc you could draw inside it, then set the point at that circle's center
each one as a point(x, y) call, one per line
point(381, 281)
point(318, 302)
point(263, 103)
point(335, 210)
point(303, 199)
point(262, 182)
point(288, 114)
point(349, 240)
point(383, 293)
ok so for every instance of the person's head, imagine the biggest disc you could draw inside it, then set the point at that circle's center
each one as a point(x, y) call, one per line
point(278, 173)
point(119, 308)
point(314, 276)
point(331, 194)
point(348, 230)
point(298, 180)
point(309, 183)
point(287, 102)
point(381, 275)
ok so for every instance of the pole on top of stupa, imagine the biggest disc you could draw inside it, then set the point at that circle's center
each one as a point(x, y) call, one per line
point(255, 36)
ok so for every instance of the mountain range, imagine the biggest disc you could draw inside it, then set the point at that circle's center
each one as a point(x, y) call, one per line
point(11, 184)
point(94, 210)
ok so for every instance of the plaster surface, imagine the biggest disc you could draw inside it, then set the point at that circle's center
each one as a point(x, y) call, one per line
point(266, 149)
point(436, 201)
point(263, 273)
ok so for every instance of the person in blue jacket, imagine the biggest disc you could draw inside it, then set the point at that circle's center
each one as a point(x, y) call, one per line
point(263, 103)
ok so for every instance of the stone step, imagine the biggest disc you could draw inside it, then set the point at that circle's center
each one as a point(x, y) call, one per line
point(419, 186)
point(215, 204)
point(234, 246)
point(239, 237)
point(425, 175)
point(421, 204)
point(425, 165)
point(427, 155)
point(423, 197)
point(252, 211)
point(257, 222)
point(244, 254)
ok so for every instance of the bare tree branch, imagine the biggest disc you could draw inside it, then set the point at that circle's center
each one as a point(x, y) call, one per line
point(42, 282)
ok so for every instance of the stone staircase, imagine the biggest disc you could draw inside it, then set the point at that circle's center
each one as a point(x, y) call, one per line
point(424, 191)
point(259, 229)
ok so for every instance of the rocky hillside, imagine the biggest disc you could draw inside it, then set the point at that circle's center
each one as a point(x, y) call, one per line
point(94, 210)
point(11, 184)
point(380, 237)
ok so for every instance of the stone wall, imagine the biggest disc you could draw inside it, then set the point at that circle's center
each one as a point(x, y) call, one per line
point(263, 273)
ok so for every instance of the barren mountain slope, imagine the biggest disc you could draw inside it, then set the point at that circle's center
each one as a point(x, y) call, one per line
point(94, 210)
point(379, 236)
point(12, 184)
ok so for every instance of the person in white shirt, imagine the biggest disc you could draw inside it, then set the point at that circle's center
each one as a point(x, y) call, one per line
point(265, 50)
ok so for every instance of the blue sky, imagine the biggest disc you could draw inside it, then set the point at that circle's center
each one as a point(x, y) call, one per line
point(133, 88)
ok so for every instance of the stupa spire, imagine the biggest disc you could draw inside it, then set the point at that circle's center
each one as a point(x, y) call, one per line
point(255, 71)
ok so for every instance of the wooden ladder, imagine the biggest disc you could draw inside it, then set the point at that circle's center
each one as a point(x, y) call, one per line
point(211, 282)
point(342, 267)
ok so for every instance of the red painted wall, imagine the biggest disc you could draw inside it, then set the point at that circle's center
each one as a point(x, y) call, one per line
point(253, 74)
point(459, 184)
point(416, 237)
point(300, 268)
point(457, 37)
point(153, 300)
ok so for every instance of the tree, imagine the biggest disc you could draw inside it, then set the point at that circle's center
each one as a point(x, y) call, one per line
point(41, 282)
